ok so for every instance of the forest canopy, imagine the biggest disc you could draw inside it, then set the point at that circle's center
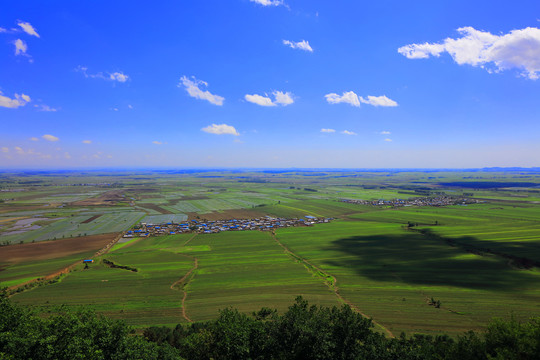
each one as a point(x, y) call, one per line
point(303, 332)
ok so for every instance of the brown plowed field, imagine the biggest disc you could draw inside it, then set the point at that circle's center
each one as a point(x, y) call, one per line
point(91, 219)
point(155, 207)
point(53, 249)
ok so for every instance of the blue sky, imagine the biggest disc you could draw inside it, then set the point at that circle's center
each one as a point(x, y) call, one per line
point(267, 83)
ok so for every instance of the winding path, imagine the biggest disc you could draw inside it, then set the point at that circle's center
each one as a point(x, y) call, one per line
point(184, 278)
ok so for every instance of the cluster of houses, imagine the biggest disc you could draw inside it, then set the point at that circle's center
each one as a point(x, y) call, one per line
point(209, 227)
point(442, 200)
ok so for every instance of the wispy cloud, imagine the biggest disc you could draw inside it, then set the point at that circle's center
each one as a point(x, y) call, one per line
point(115, 76)
point(49, 137)
point(328, 130)
point(385, 132)
point(280, 98)
point(27, 28)
point(517, 49)
point(46, 108)
point(387, 139)
point(30, 153)
point(378, 101)
point(87, 141)
point(192, 86)
point(157, 142)
point(222, 129)
point(268, 2)
point(300, 45)
point(348, 97)
point(347, 132)
point(18, 101)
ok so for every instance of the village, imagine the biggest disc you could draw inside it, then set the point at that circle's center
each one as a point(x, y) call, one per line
point(442, 200)
point(209, 227)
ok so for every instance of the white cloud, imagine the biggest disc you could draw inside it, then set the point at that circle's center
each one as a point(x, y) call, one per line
point(385, 132)
point(29, 29)
point(378, 101)
point(259, 100)
point(157, 142)
point(46, 108)
point(222, 129)
point(351, 98)
point(5, 149)
point(130, 106)
point(517, 49)
point(328, 130)
point(115, 76)
point(347, 132)
point(348, 97)
point(20, 47)
point(192, 87)
point(2, 30)
point(301, 45)
point(87, 141)
point(387, 139)
point(20, 100)
point(268, 2)
point(281, 98)
point(118, 76)
point(34, 138)
point(50, 137)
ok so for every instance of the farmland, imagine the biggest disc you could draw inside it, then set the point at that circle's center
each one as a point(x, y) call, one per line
point(425, 269)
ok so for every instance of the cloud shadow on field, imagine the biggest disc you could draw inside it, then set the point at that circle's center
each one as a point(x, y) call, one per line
point(416, 259)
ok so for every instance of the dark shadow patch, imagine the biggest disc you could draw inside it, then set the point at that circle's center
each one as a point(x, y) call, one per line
point(416, 259)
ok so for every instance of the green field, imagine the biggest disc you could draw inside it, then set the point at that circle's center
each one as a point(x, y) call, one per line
point(480, 260)
point(391, 273)
point(141, 298)
point(248, 270)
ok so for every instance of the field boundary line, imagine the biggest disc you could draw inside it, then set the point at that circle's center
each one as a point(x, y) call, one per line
point(332, 286)
point(188, 240)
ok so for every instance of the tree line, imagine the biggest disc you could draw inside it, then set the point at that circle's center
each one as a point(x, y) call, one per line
point(303, 332)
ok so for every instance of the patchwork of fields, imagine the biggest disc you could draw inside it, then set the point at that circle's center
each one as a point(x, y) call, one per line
point(392, 264)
